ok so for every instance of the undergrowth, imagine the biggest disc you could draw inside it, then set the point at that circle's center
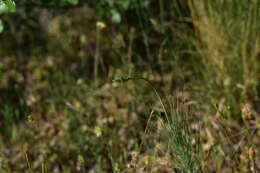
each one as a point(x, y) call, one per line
point(60, 112)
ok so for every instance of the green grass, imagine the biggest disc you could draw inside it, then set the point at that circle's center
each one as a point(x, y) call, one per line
point(183, 143)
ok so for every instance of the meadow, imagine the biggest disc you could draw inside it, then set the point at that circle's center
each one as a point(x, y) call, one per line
point(124, 86)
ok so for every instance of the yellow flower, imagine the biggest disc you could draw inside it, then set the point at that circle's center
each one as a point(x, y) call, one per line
point(251, 153)
point(77, 104)
point(81, 160)
point(30, 119)
point(100, 25)
point(246, 112)
point(98, 131)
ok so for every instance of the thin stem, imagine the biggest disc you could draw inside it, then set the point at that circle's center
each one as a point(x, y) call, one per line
point(28, 163)
point(97, 56)
point(151, 85)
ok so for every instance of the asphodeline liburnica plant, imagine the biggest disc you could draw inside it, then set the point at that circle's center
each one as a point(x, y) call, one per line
point(100, 26)
point(184, 151)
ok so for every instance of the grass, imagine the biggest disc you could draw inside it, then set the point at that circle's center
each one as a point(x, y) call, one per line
point(185, 154)
point(183, 143)
point(228, 45)
point(193, 107)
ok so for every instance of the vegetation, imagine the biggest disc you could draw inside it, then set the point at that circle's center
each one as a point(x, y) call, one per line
point(129, 86)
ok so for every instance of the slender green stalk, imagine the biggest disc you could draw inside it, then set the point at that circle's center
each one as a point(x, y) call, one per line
point(97, 52)
point(125, 79)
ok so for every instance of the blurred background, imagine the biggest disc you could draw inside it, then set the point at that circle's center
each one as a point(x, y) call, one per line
point(61, 111)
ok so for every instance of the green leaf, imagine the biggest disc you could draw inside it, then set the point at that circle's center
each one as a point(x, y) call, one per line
point(1, 26)
point(73, 2)
point(11, 5)
point(3, 7)
point(7, 6)
point(125, 4)
point(116, 17)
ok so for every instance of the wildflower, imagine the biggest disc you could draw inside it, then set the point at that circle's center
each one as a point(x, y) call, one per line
point(77, 104)
point(98, 131)
point(30, 119)
point(80, 81)
point(116, 167)
point(246, 112)
point(100, 25)
point(31, 100)
point(81, 160)
point(251, 153)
